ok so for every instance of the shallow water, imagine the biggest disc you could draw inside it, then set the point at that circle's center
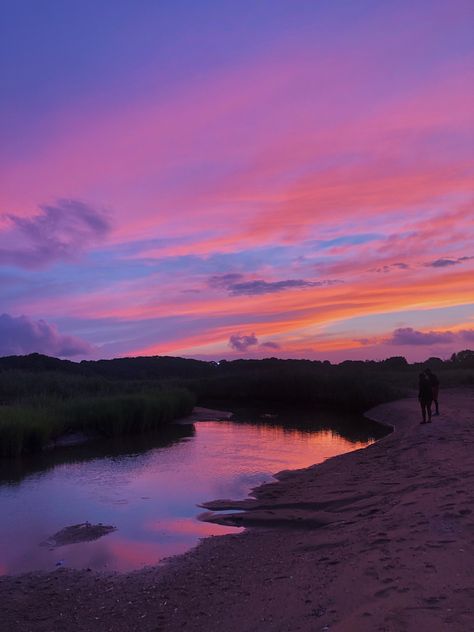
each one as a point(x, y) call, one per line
point(149, 488)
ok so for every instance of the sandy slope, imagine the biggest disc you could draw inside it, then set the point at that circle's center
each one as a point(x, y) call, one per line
point(378, 539)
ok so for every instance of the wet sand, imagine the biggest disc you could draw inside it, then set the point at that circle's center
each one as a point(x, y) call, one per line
point(378, 539)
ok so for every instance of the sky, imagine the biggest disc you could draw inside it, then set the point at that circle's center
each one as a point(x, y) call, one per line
point(230, 178)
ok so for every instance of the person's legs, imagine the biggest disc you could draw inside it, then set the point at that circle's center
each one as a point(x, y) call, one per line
point(428, 410)
point(423, 411)
point(435, 399)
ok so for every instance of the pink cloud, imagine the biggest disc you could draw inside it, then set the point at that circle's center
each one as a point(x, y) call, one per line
point(59, 231)
point(410, 336)
point(241, 342)
point(21, 335)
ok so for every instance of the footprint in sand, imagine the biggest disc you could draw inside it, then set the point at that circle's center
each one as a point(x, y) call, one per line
point(385, 592)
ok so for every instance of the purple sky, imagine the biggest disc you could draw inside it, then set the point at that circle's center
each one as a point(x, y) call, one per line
point(237, 179)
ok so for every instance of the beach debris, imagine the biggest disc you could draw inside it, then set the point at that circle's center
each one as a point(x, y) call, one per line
point(83, 532)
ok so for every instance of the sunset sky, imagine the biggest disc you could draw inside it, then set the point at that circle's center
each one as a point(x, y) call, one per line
point(232, 178)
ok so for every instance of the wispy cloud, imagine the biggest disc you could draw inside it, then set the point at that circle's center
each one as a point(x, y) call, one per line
point(59, 232)
point(234, 284)
point(444, 263)
point(391, 267)
point(224, 281)
point(270, 345)
point(21, 335)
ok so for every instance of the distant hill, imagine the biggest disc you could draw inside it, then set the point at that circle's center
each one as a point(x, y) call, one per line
point(151, 367)
point(160, 367)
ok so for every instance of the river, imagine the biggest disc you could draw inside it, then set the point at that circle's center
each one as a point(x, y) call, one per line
point(149, 487)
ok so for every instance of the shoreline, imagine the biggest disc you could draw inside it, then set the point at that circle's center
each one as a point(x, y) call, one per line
point(381, 538)
point(72, 439)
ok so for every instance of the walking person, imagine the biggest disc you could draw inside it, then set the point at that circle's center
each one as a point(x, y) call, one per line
point(425, 397)
point(434, 388)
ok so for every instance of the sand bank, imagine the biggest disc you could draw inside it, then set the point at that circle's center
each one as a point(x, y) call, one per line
point(379, 539)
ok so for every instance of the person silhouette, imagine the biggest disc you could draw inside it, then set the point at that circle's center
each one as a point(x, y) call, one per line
point(433, 379)
point(425, 397)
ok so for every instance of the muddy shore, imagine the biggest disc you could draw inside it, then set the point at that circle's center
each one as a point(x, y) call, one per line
point(378, 539)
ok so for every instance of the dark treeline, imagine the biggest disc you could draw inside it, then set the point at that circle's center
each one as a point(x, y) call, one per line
point(43, 397)
point(140, 368)
point(165, 367)
point(350, 384)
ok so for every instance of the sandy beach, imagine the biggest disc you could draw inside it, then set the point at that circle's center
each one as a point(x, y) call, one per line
point(378, 539)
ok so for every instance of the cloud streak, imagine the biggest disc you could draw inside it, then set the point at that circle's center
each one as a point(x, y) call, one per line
point(390, 267)
point(444, 263)
point(270, 345)
point(234, 284)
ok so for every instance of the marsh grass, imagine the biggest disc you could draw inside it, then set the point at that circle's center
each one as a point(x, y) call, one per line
point(335, 391)
point(20, 386)
point(39, 405)
point(27, 428)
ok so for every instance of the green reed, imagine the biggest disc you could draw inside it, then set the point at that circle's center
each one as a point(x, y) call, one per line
point(28, 428)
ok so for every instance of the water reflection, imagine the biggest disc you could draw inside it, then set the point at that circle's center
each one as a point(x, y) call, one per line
point(14, 470)
point(147, 487)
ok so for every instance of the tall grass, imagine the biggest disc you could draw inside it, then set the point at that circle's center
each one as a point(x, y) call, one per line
point(20, 386)
point(27, 428)
point(353, 388)
point(330, 390)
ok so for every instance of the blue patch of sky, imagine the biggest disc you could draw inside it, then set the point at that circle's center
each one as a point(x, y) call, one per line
point(346, 240)
point(243, 261)
point(17, 284)
point(126, 334)
point(103, 268)
point(418, 319)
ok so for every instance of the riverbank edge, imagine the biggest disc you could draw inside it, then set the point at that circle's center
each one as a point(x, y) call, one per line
point(248, 507)
point(72, 439)
point(379, 538)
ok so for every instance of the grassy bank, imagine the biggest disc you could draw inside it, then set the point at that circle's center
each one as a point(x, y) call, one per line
point(42, 398)
point(28, 427)
point(350, 387)
point(326, 391)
